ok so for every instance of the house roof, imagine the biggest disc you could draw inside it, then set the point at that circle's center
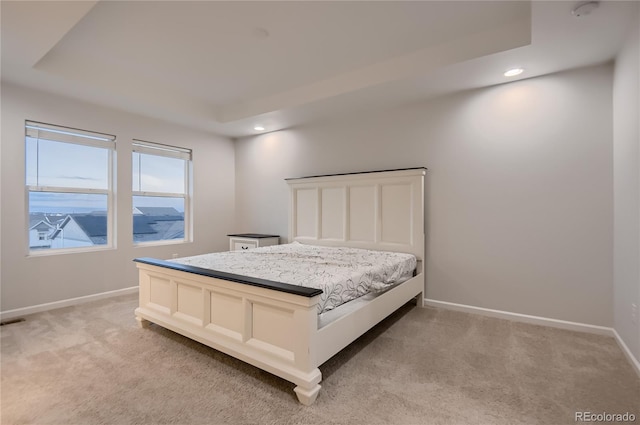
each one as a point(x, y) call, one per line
point(35, 218)
point(41, 226)
point(52, 219)
point(145, 228)
point(63, 223)
point(175, 230)
point(159, 211)
point(92, 225)
point(142, 225)
point(153, 228)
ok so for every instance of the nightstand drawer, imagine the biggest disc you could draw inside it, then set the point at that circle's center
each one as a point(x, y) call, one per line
point(242, 245)
point(246, 241)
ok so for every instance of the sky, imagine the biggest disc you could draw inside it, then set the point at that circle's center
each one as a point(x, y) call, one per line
point(70, 203)
point(66, 165)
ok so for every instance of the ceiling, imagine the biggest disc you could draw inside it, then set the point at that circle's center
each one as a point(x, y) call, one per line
point(228, 66)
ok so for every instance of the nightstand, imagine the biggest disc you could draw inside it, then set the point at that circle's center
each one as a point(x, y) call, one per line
point(243, 241)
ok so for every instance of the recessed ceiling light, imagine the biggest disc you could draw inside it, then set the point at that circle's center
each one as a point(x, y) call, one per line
point(513, 72)
point(258, 128)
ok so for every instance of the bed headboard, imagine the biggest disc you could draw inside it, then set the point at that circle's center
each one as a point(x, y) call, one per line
point(382, 210)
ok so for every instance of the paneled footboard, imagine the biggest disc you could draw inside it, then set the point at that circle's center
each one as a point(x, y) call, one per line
point(270, 329)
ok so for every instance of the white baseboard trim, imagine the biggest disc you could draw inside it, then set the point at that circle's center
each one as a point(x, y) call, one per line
point(525, 318)
point(538, 320)
point(12, 314)
point(634, 362)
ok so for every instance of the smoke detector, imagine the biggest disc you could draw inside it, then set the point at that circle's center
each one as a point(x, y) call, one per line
point(585, 8)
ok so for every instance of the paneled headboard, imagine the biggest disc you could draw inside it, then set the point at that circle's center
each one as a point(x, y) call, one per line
point(381, 210)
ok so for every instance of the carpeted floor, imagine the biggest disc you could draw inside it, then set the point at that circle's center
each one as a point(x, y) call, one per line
point(91, 364)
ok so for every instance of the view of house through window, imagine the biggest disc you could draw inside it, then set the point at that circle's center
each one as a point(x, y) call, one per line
point(69, 183)
point(161, 199)
point(69, 179)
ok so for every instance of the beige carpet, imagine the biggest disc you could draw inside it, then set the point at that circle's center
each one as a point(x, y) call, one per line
point(91, 364)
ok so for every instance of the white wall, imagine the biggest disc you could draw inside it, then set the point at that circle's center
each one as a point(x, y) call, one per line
point(28, 281)
point(519, 188)
point(626, 148)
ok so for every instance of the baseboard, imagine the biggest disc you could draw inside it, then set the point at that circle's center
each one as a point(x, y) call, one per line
point(543, 321)
point(18, 312)
point(627, 352)
point(525, 318)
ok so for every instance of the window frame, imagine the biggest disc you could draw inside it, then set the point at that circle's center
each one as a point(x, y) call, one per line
point(70, 135)
point(167, 151)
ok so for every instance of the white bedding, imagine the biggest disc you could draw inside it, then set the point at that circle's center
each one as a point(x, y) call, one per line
point(343, 274)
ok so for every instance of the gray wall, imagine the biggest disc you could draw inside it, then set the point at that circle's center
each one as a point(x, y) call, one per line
point(626, 148)
point(519, 188)
point(28, 281)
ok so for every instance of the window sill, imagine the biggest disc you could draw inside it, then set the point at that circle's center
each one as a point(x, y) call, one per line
point(64, 251)
point(160, 243)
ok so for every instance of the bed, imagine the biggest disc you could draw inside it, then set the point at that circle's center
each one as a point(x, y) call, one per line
point(285, 328)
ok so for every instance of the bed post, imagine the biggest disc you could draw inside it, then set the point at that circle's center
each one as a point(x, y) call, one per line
point(305, 396)
point(420, 297)
point(306, 361)
point(142, 323)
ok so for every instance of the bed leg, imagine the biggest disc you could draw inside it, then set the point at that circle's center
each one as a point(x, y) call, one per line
point(420, 300)
point(307, 396)
point(142, 323)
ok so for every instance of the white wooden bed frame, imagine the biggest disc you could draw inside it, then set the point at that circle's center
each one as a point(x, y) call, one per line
point(271, 327)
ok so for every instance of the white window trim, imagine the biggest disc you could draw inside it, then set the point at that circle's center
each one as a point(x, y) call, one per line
point(39, 130)
point(150, 148)
point(62, 251)
point(67, 190)
point(81, 137)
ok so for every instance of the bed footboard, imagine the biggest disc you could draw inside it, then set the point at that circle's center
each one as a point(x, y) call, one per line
point(270, 329)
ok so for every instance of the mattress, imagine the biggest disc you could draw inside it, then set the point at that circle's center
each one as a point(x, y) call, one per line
point(343, 274)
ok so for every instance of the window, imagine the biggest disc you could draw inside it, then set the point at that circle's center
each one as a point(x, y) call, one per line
point(69, 180)
point(161, 201)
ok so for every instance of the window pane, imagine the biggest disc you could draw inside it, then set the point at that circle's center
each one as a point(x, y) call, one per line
point(67, 220)
point(152, 173)
point(157, 218)
point(66, 165)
